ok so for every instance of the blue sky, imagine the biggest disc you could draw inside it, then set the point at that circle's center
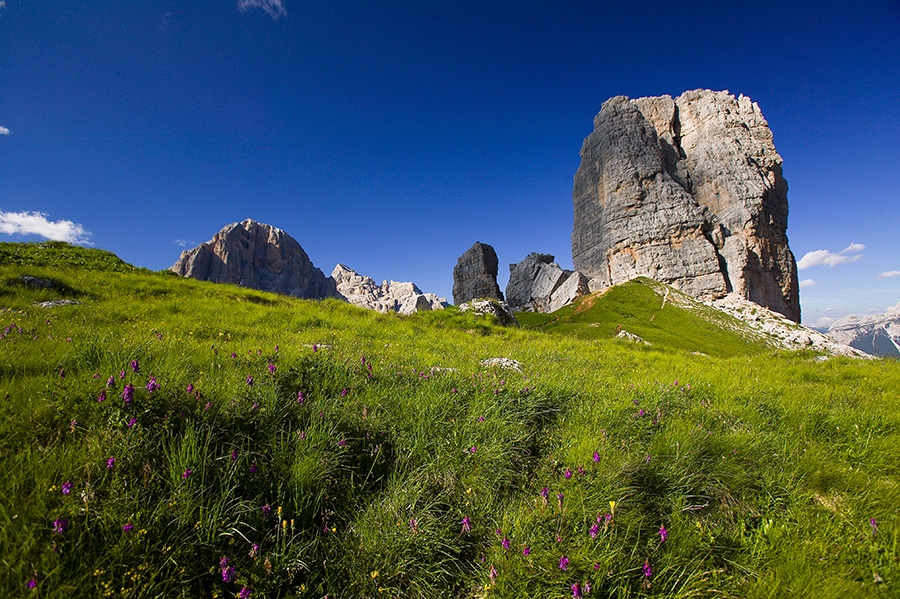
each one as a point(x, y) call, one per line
point(390, 136)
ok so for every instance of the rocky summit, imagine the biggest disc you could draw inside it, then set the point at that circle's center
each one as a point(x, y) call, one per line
point(688, 191)
point(259, 256)
point(475, 274)
point(390, 296)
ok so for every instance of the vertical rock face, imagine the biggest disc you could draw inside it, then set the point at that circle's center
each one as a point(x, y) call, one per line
point(259, 256)
point(688, 191)
point(475, 274)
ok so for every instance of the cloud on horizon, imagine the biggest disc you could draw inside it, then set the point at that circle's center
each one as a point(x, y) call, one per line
point(807, 283)
point(849, 254)
point(4, 130)
point(36, 223)
point(275, 8)
point(888, 274)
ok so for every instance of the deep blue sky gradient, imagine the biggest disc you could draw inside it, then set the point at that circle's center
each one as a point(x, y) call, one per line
point(390, 136)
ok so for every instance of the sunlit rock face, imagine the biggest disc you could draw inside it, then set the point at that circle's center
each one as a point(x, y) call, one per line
point(390, 296)
point(258, 256)
point(688, 191)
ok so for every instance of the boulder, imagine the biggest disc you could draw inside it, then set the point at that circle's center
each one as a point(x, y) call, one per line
point(258, 256)
point(475, 275)
point(498, 309)
point(688, 191)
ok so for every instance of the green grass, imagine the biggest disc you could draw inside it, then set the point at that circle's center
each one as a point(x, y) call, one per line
point(764, 467)
point(661, 316)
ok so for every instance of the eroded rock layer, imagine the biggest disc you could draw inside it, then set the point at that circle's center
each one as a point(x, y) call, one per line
point(687, 191)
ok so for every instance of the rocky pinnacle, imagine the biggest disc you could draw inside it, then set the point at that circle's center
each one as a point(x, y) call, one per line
point(688, 191)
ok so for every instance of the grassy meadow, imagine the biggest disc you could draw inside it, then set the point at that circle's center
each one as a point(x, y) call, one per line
point(165, 437)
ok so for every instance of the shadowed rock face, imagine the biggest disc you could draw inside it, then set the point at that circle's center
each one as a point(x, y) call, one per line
point(259, 256)
point(475, 274)
point(687, 191)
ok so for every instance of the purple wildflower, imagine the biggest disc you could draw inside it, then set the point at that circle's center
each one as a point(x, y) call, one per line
point(414, 525)
point(564, 563)
point(32, 584)
point(253, 468)
point(608, 517)
point(128, 394)
point(110, 463)
point(648, 571)
point(315, 348)
point(663, 534)
point(135, 367)
point(493, 574)
point(128, 527)
point(227, 573)
point(249, 381)
point(102, 396)
point(545, 492)
point(187, 473)
point(342, 442)
point(300, 398)
point(266, 509)
point(271, 368)
point(254, 550)
point(874, 524)
point(594, 530)
point(641, 412)
point(132, 422)
point(66, 488)
point(190, 388)
point(568, 473)
point(110, 381)
point(234, 455)
point(152, 385)
point(526, 551)
point(344, 392)
point(581, 470)
point(245, 593)
point(121, 374)
point(60, 525)
point(559, 498)
point(473, 449)
point(586, 587)
point(466, 524)
point(505, 543)
point(233, 355)
point(576, 590)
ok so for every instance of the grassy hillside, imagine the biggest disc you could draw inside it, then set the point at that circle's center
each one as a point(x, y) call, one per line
point(661, 316)
point(171, 438)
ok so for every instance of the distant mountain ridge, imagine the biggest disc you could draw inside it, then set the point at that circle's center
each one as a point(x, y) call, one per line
point(260, 256)
point(877, 334)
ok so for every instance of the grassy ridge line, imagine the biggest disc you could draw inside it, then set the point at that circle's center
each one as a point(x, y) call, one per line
point(764, 470)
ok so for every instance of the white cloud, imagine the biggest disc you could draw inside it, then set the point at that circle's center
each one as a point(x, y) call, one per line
point(4, 130)
point(36, 223)
point(184, 242)
point(806, 283)
point(888, 274)
point(849, 254)
point(275, 8)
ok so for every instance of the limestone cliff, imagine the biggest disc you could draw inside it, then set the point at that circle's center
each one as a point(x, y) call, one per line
point(688, 191)
point(259, 256)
